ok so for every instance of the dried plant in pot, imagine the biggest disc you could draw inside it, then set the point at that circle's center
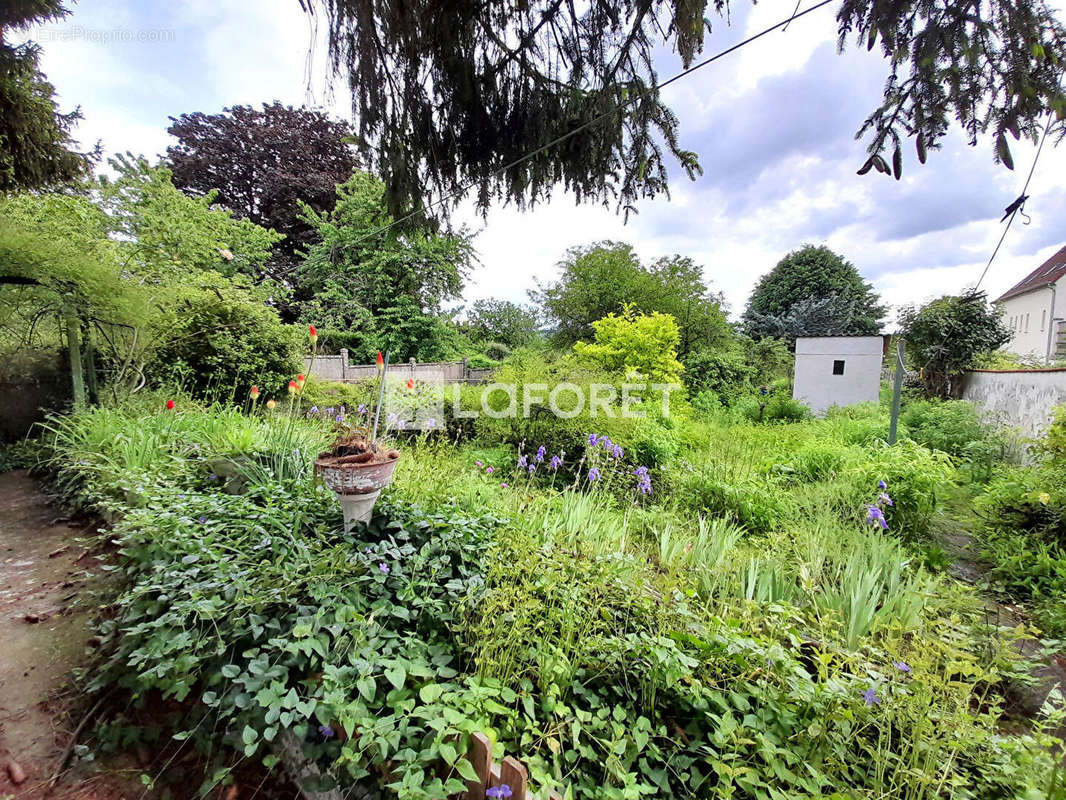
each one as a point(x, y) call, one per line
point(357, 469)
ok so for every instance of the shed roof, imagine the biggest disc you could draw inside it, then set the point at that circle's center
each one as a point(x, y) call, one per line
point(1048, 272)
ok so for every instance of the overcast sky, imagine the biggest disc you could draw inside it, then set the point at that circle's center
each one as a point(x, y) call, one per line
point(773, 125)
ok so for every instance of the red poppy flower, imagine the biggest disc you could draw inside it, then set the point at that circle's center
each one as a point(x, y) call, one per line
point(170, 405)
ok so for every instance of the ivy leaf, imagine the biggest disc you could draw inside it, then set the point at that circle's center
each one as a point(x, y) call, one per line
point(431, 692)
point(397, 676)
point(367, 687)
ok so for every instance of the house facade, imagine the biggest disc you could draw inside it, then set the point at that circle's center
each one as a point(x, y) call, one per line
point(1035, 309)
point(837, 370)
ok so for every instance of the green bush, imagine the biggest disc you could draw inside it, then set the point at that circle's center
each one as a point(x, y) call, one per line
point(224, 346)
point(749, 503)
point(775, 407)
point(951, 426)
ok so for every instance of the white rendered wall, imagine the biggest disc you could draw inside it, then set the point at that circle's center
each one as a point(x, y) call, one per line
point(817, 386)
point(1027, 317)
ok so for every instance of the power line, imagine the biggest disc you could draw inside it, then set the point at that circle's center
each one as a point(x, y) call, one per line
point(560, 139)
point(1018, 204)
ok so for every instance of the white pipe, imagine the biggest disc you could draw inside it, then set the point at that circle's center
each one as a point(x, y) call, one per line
point(1051, 323)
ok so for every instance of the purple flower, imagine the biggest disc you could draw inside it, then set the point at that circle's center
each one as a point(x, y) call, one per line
point(503, 790)
point(882, 485)
point(342, 410)
point(870, 697)
point(643, 480)
point(203, 520)
point(392, 418)
point(594, 474)
point(326, 731)
point(384, 567)
point(540, 453)
point(556, 462)
point(362, 409)
point(606, 443)
point(478, 464)
point(884, 499)
point(532, 468)
point(329, 411)
point(339, 418)
point(312, 410)
point(489, 470)
point(875, 516)
point(616, 451)
point(593, 438)
point(503, 485)
point(902, 666)
point(523, 461)
point(213, 478)
point(431, 422)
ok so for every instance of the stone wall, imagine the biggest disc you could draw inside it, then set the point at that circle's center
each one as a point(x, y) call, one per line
point(1022, 399)
point(337, 368)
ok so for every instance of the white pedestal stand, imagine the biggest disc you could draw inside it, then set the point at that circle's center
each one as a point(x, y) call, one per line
point(357, 507)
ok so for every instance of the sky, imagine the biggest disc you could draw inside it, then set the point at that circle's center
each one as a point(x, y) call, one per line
point(773, 125)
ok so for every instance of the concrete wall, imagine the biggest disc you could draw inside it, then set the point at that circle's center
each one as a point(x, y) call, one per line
point(1028, 317)
point(1022, 399)
point(817, 386)
point(337, 368)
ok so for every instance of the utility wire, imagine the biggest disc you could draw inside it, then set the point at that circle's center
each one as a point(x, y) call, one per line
point(1018, 206)
point(558, 140)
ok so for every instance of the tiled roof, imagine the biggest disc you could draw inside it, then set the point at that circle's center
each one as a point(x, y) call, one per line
point(1048, 272)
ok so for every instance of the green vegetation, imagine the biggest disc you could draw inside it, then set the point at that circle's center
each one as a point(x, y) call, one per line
point(732, 620)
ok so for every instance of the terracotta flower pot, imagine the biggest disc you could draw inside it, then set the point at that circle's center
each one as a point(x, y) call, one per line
point(358, 486)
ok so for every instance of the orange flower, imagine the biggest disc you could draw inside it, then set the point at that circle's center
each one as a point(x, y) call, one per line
point(314, 333)
point(170, 405)
point(411, 383)
point(293, 387)
point(271, 404)
point(380, 361)
point(254, 394)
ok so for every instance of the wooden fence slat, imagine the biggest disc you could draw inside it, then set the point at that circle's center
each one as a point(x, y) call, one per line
point(481, 760)
point(514, 774)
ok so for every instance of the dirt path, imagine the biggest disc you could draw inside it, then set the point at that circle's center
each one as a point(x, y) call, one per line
point(45, 605)
point(1026, 700)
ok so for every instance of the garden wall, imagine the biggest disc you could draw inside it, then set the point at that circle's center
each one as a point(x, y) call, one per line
point(1022, 399)
point(337, 368)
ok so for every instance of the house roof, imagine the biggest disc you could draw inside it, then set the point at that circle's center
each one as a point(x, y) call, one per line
point(1048, 272)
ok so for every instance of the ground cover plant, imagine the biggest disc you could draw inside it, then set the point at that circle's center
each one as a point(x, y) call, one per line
point(745, 616)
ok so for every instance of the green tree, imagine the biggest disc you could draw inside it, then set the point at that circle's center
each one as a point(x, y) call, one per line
point(947, 336)
point(36, 148)
point(629, 343)
point(812, 292)
point(386, 287)
point(602, 278)
point(501, 321)
point(446, 93)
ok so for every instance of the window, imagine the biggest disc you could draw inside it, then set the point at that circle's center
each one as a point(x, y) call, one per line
point(838, 367)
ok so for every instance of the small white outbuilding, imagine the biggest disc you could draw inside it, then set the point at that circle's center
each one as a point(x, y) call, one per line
point(837, 370)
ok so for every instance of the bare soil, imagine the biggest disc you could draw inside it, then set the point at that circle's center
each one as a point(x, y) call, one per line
point(46, 582)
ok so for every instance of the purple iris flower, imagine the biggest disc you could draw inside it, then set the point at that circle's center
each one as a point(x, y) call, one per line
point(593, 438)
point(884, 499)
point(326, 731)
point(616, 451)
point(594, 474)
point(902, 666)
point(532, 468)
point(882, 485)
point(556, 462)
point(540, 453)
point(523, 462)
point(312, 410)
point(875, 516)
point(362, 409)
point(870, 697)
point(503, 790)
point(339, 418)
point(203, 520)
